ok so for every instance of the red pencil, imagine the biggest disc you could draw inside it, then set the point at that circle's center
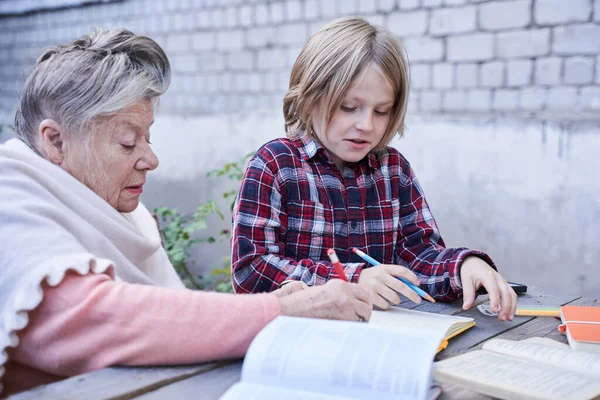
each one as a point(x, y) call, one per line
point(337, 265)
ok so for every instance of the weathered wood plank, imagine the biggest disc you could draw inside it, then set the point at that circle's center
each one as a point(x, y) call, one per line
point(209, 385)
point(545, 326)
point(488, 327)
point(540, 326)
point(114, 383)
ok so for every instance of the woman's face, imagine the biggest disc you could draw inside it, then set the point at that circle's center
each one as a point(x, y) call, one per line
point(114, 161)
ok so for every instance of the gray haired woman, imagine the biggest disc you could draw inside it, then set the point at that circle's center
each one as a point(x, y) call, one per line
point(84, 282)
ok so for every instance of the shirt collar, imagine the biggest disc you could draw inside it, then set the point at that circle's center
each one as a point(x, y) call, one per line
point(310, 147)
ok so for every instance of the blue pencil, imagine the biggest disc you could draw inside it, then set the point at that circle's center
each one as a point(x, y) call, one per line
point(374, 262)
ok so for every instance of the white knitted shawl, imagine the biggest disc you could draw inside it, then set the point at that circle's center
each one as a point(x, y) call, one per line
point(51, 223)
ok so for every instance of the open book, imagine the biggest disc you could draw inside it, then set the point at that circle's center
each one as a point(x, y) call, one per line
point(305, 358)
point(451, 325)
point(535, 368)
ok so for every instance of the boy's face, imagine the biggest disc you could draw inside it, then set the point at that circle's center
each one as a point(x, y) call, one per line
point(360, 123)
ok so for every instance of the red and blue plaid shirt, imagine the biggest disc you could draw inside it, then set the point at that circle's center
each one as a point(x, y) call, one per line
point(294, 204)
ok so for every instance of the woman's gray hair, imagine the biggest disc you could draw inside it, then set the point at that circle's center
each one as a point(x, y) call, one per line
point(98, 74)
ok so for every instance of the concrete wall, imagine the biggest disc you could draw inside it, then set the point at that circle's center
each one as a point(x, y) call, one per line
point(503, 124)
point(524, 190)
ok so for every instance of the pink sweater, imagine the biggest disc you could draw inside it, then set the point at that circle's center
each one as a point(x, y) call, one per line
point(91, 322)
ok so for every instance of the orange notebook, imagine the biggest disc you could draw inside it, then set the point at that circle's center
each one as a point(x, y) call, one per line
point(582, 326)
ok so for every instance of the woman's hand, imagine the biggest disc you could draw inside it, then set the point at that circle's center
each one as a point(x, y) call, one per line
point(334, 300)
point(289, 288)
point(474, 273)
point(382, 282)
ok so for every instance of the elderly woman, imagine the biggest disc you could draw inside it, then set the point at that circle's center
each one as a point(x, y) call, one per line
point(84, 282)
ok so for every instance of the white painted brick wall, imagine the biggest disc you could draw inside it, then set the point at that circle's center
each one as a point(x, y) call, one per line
point(505, 15)
point(491, 74)
point(505, 100)
point(508, 50)
point(414, 103)
point(260, 37)
point(466, 75)
point(311, 9)
point(443, 76)
point(179, 43)
point(184, 63)
point(348, 7)
point(579, 70)
point(295, 10)
point(292, 34)
point(211, 61)
point(408, 4)
point(407, 23)
point(328, 9)
point(420, 76)
point(230, 40)
point(430, 100)
point(533, 98)
point(271, 59)
point(548, 70)
point(561, 98)
point(387, 5)
point(277, 13)
point(475, 47)
point(453, 20)
point(530, 43)
point(291, 55)
point(590, 98)
point(424, 48)
point(577, 39)
point(262, 14)
point(454, 100)
point(203, 41)
point(243, 60)
point(550, 12)
point(519, 72)
point(246, 16)
point(367, 7)
point(478, 100)
point(375, 19)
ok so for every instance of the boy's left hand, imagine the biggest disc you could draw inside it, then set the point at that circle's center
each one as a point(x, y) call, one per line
point(474, 273)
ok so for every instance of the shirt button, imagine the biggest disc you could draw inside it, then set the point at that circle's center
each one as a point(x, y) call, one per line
point(353, 224)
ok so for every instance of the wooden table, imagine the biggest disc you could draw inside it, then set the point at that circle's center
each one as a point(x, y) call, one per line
point(211, 380)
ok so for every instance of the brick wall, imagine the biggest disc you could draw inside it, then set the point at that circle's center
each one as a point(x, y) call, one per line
point(235, 55)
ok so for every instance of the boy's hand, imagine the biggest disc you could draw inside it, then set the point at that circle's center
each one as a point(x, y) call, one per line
point(382, 283)
point(474, 273)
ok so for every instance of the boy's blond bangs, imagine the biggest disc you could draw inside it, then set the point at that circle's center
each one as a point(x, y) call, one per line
point(330, 63)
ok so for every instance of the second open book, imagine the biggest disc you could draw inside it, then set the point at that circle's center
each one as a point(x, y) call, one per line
point(304, 358)
point(534, 368)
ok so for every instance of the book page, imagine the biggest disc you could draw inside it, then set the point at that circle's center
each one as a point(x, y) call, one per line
point(502, 376)
point(399, 317)
point(342, 358)
point(577, 361)
point(546, 341)
point(253, 391)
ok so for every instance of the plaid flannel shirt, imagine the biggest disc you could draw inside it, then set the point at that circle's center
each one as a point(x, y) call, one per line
point(294, 204)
